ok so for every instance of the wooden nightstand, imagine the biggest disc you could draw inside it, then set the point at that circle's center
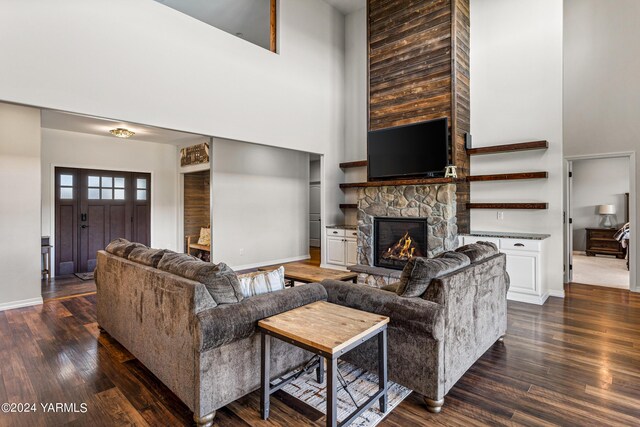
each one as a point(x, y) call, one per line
point(600, 241)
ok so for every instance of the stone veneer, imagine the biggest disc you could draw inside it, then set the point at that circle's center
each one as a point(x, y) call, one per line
point(437, 203)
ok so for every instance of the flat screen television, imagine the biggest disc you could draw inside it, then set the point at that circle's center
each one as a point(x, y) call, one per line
point(415, 150)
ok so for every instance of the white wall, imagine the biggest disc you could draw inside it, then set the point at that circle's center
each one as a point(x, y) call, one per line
point(80, 150)
point(516, 96)
point(601, 85)
point(19, 206)
point(597, 182)
point(260, 204)
point(117, 59)
point(356, 86)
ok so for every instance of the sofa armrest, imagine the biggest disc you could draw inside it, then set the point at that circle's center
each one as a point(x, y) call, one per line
point(230, 322)
point(415, 315)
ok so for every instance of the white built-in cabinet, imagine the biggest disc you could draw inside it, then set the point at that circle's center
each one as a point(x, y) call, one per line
point(342, 247)
point(524, 265)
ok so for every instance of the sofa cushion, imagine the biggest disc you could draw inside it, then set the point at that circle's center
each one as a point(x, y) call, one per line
point(478, 251)
point(391, 287)
point(262, 282)
point(419, 272)
point(220, 280)
point(122, 247)
point(148, 256)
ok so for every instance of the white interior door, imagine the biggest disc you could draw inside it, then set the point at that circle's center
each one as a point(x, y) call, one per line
point(568, 272)
point(315, 225)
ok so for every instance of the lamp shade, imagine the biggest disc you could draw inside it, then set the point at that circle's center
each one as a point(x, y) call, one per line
point(606, 209)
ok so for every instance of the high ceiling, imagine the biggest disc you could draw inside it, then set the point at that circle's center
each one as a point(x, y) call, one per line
point(347, 6)
point(97, 126)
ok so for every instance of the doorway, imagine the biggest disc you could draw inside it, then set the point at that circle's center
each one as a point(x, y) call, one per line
point(315, 222)
point(196, 204)
point(599, 209)
point(94, 207)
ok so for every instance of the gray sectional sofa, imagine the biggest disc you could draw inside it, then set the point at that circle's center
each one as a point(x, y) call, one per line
point(205, 351)
point(445, 313)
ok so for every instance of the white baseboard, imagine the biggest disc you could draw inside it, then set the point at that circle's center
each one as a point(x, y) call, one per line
point(21, 303)
point(555, 293)
point(528, 298)
point(334, 267)
point(270, 262)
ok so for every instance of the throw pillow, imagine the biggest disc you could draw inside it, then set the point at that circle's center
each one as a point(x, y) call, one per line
point(478, 251)
point(148, 256)
point(262, 282)
point(220, 280)
point(418, 273)
point(122, 247)
point(205, 237)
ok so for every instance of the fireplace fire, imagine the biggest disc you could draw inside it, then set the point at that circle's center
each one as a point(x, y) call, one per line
point(404, 250)
point(397, 240)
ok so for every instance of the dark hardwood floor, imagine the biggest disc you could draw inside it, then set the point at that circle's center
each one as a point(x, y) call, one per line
point(66, 286)
point(571, 362)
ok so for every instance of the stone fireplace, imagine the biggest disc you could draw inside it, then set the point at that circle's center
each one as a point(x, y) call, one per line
point(433, 205)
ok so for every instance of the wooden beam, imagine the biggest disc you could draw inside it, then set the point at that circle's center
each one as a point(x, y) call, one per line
point(356, 164)
point(508, 176)
point(508, 148)
point(273, 27)
point(501, 206)
point(348, 206)
point(423, 181)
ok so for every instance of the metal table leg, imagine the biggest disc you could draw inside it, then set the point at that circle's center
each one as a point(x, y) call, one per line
point(266, 374)
point(382, 368)
point(332, 392)
point(320, 370)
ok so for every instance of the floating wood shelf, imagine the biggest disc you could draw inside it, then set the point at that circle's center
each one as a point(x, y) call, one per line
point(508, 148)
point(348, 206)
point(508, 176)
point(357, 164)
point(424, 181)
point(501, 206)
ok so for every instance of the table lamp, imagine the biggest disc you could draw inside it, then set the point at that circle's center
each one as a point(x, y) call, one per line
point(607, 211)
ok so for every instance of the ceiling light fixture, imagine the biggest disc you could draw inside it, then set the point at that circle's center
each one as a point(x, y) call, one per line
point(122, 133)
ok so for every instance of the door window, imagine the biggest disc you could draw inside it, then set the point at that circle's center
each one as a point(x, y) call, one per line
point(106, 188)
point(66, 187)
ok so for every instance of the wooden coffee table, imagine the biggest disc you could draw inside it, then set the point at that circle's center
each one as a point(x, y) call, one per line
point(312, 274)
point(328, 330)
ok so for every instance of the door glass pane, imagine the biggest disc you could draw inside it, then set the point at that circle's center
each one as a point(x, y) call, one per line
point(141, 183)
point(94, 193)
point(118, 194)
point(107, 194)
point(107, 181)
point(94, 181)
point(66, 193)
point(66, 180)
point(118, 182)
point(141, 195)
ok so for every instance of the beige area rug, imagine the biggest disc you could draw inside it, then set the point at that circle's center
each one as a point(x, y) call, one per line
point(362, 384)
point(600, 270)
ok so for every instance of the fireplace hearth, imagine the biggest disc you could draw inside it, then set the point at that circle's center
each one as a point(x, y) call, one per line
point(397, 240)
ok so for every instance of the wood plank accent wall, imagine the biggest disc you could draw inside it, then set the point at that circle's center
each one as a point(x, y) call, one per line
point(419, 70)
point(197, 212)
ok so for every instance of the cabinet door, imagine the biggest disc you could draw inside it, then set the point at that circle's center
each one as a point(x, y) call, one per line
point(522, 269)
point(352, 252)
point(335, 250)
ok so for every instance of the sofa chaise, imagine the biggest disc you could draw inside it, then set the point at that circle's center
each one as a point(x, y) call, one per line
point(205, 351)
point(445, 313)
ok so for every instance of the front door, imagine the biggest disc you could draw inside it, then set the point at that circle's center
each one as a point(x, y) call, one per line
point(94, 207)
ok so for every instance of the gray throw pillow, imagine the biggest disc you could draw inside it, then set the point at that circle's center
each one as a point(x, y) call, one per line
point(220, 280)
point(478, 251)
point(148, 256)
point(419, 272)
point(122, 247)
